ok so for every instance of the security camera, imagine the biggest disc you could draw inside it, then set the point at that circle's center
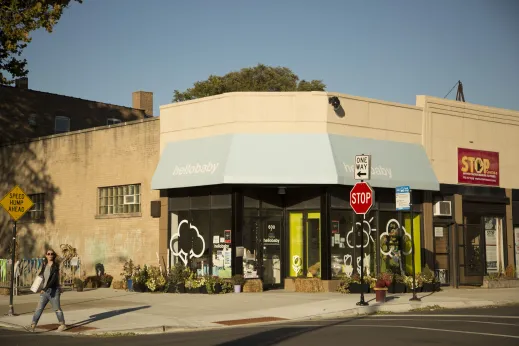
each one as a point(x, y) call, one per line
point(334, 101)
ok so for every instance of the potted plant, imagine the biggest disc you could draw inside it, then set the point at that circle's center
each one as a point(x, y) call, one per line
point(238, 281)
point(344, 285)
point(106, 280)
point(139, 278)
point(127, 274)
point(79, 284)
point(213, 284)
point(355, 286)
point(155, 280)
point(177, 278)
point(381, 287)
point(398, 285)
point(194, 284)
point(409, 283)
point(427, 277)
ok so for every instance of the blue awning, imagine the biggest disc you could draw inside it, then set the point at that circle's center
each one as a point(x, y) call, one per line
point(286, 159)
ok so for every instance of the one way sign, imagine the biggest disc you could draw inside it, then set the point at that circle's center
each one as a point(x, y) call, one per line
point(362, 167)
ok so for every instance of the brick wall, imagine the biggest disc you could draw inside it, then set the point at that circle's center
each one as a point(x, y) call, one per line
point(69, 169)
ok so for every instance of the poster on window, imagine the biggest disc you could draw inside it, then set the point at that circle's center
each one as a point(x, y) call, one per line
point(491, 244)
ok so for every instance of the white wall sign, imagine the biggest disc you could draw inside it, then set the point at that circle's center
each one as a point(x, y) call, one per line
point(403, 198)
point(362, 167)
point(438, 232)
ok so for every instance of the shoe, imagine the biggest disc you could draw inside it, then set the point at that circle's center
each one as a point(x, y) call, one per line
point(30, 328)
point(62, 327)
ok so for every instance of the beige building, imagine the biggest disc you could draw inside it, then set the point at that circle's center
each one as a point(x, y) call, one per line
point(91, 190)
point(259, 184)
point(256, 145)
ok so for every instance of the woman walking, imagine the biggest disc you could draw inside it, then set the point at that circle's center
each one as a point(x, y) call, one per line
point(50, 291)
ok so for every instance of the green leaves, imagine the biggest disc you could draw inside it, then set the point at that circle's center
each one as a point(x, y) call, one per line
point(258, 78)
point(18, 18)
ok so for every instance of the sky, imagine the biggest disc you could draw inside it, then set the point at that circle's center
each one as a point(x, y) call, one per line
point(389, 50)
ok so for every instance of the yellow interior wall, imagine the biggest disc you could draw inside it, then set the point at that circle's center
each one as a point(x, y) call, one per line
point(417, 243)
point(296, 240)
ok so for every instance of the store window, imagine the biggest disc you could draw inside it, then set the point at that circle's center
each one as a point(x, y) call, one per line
point(347, 240)
point(200, 234)
point(221, 242)
point(390, 238)
point(494, 253)
point(342, 243)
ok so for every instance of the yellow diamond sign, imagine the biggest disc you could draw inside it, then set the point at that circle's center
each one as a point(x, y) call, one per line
point(16, 203)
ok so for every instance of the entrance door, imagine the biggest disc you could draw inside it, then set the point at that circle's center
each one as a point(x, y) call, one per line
point(262, 245)
point(442, 258)
point(270, 254)
point(305, 244)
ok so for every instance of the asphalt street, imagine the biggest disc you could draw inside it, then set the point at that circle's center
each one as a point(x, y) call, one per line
point(499, 325)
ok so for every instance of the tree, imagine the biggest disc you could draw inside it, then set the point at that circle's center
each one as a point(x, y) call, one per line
point(18, 18)
point(258, 78)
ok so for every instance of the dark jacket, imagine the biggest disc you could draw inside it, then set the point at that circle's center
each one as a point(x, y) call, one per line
point(53, 281)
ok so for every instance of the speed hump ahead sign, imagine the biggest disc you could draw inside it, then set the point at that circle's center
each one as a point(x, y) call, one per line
point(16, 203)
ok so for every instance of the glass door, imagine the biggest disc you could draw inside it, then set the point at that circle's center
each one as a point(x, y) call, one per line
point(271, 247)
point(305, 244)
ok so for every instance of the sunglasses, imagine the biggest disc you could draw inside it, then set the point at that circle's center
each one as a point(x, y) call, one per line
point(50, 254)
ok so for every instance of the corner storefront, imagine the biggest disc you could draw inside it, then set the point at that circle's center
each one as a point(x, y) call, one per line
point(471, 231)
point(276, 206)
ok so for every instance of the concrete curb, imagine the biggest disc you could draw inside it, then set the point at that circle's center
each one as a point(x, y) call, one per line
point(357, 311)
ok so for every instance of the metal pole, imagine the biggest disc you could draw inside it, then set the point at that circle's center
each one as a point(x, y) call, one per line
point(362, 302)
point(414, 298)
point(11, 291)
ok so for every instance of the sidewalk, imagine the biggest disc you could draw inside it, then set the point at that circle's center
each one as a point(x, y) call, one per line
point(108, 310)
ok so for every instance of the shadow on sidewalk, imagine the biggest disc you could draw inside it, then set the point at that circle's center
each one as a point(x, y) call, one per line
point(105, 315)
point(276, 336)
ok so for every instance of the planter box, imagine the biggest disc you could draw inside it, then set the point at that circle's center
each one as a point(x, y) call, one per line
point(216, 290)
point(358, 288)
point(397, 287)
point(202, 289)
point(177, 288)
point(193, 290)
point(505, 283)
point(139, 287)
point(432, 287)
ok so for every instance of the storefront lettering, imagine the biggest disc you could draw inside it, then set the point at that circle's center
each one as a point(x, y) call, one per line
point(197, 168)
point(375, 170)
point(478, 165)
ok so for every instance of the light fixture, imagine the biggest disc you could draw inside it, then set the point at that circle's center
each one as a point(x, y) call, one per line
point(281, 191)
point(335, 102)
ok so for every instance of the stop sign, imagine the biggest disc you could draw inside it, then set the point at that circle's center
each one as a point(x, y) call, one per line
point(361, 198)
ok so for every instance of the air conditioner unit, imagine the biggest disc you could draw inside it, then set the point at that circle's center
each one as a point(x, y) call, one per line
point(130, 199)
point(443, 208)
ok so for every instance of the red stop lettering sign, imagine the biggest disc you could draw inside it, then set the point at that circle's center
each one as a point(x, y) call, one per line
point(361, 198)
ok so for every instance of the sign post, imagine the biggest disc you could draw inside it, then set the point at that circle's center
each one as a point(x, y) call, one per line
point(414, 297)
point(16, 203)
point(361, 201)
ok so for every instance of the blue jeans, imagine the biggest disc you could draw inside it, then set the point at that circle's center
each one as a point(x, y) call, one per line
point(51, 295)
